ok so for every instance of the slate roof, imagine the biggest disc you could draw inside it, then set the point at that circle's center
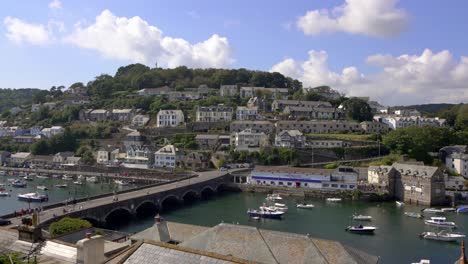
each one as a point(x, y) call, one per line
point(286, 169)
point(415, 170)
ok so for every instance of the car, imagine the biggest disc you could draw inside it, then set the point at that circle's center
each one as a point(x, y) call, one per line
point(4, 222)
point(223, 169)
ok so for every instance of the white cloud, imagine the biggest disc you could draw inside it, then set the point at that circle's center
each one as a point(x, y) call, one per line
point(21, 32)
point(136, 40)
point(379, 18)
point(425, 78)
point(55, 4)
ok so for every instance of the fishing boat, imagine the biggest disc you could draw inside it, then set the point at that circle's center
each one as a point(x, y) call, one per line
point(18, 184)
point(33, 197)
point(120, 182)
point(361, 229)
point(265, 213)
point(67, 177)
point(440, 222)
point(442, 236)
point(79, 182)
point(28, 178)
point(334, 200)
point(399, 204)
point(462, 209)
point(413, 215)
point(61, 185)
point(92, 179)
point(41, 187)
point(433, 211)
point(42, 177)
point(362, 217)
point(274, 197)
point(305, 206)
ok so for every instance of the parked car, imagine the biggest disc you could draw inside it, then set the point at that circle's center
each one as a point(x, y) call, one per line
point(4, 222)
point(223, 169)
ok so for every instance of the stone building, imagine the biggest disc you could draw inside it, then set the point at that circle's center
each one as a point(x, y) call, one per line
point(228, 90)
point(280, 105)
point(256, 126)
point(169, 118)
point(290, 139)
point(249, 139)
point(247, 113)
point(384, 178)
point(214, 114)
point(370, 127)
point(319, 126)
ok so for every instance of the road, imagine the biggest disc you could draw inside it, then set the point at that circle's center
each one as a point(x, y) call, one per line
point(202, 177)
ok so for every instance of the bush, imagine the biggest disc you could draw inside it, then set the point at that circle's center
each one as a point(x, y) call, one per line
point(67, 225)
point(331, 166)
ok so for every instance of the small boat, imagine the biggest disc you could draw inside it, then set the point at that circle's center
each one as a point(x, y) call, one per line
point(41, 187)
point(81, 177)
point(32, 174)
point(448, 210)
point(305, 206)
point(440, 222)
point(11, 180)
point(67, 177)
point(2, 173)
point(61, 185)
point(79, 182)
point(56, 176)
point(399, 204)
point(4, 193)
point(92, 179)
point(274, 197)
point(362, 217)
point(413, 215)
point(442, 236)
point(273, 208)
point(18, 184)
point(28, 178)
point(255, 218)
point(2, 185)
point(462, 209)
point(334, 200)
point(32, 197)
point(42, 177)
point(280, 205)
point(433, 211)
point(120, 182)
point(265, 214)
point(361, 229)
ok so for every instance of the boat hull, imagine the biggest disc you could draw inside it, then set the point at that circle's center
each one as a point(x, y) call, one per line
point(265, 215)
point(360, 230)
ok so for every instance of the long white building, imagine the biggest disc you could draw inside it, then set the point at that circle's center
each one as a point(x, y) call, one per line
point(458, 163)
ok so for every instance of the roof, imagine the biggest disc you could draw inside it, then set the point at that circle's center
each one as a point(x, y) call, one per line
point(307, 103)
point(415, 170)
point(179, 232)
point(20, 155)
point(462, 156)
point(253, 108)
point(163, 88)
point(65, 154)
point(206, 136)
point(168, 149)
point(121, 111)
point(99, 111)
point(453, 149)
point(170, 112)
point(292, 133)
point(218, 108)
point(252, 122)
point(286, 169)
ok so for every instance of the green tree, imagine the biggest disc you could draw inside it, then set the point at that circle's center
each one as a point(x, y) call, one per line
point(67, 225)
point(357, 109)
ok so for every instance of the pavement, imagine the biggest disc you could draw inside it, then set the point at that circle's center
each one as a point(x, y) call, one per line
point(51, 213)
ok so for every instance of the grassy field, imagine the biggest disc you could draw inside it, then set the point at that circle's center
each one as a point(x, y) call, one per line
point(341, 136)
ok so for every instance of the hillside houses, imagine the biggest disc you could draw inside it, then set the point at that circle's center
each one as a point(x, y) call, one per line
point(276, 93)
point(218, 113)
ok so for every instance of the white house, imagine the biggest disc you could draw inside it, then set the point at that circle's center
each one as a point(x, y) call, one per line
point(246, 113)
point(228, 90)
point(218, 113)
point(52, 131)
point(395, 122)
point(167, 157)
point(248, 139)
point(290, 139)
point(169, 118)
point(458, 163)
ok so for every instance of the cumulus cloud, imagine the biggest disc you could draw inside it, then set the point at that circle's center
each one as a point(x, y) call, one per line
point(406, 79)
point(22, 32)
point(378, 18)
point(55, 4)
point(136, 40)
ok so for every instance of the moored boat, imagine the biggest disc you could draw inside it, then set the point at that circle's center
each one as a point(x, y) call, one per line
point(265, 214)
point(361, 229)
point(305, 206)
point(433, 211)
point(61, 185)
point(362, 217)
point(92, 179)
point(18, 184)
point(274, 197)
point(120, 182)
point(442, 236)
point(334, 200)
point(41, 187)
point(67, 177)
point(448, 210)
point(79, 182)
point(28, 178)
point(32, 197)
point(2, 173)
point(440, 222)
point(399, 204)
point(42, 176)
point(462, 209)
point(413, 215)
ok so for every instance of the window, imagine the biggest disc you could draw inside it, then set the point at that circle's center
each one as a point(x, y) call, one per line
point(326, 185)
point(351, 186)
point(334, 185)
point(305, 184)
point(280, 183)
point(272, 182)
point(289, 183)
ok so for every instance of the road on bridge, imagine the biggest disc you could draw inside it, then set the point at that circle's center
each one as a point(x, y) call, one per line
point(47, 215)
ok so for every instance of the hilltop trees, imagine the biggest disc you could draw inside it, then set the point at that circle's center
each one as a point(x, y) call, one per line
point(357, 109)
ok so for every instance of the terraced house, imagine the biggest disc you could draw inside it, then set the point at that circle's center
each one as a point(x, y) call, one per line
point(218, 113)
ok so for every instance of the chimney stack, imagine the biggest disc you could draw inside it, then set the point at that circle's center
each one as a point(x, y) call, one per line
point(90, 250)
point(163, 230)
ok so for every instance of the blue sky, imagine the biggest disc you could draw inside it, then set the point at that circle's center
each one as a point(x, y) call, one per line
point(394, 51)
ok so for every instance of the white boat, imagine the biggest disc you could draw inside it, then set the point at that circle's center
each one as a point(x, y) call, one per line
point(265, 214)
point(449, 210)
point(442, 236)
point(280, 205)
point(433, 211)
point(361, 229)
point(41, 187)
point(398, 203)
point(61, 185)
point(2, 173)
point(305, 206)
point(4, 193)
point(120, 182)
point(274, 197)
point(273, 208)
point(362, 217)
point(67, 177)
point(334, 200)
point(79, 182)
point(11, 180)
point(42, 176)
point(440, 222)
point(92, 179)
point(28, 178)
point(56, 176)
point(32, 197)
point(414, 215)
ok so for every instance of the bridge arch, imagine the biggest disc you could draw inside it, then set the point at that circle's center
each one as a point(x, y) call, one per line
point(207, 192)
point(169, 202)
point(93, 220)
point(190, 195)
point(117, 216)
point(221, 187)
point(146, 208)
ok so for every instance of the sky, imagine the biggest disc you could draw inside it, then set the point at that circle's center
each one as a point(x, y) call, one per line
point(396, 52)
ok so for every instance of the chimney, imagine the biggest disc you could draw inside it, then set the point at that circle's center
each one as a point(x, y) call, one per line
point(163, 230)
point(462, 256)
point(90, 250)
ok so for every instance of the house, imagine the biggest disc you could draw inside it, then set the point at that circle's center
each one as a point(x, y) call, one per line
point(61, 157)
point(52, 131)
point(246, 113)
point(324, 91)
point(75, 161)
point(218, 113)
point(276, 93)
point(122, 115)
point(98, 115)
point(384, 178)
point(138, 156)
point(248, 139)
point(107, 155)
point(290, 139)
point(164, 90)
point(280, 105)
point(4, 157)
point(167, 157)
point(41, 161)
point(19, 158)
point(455, 183)
point(421, 184)
point(319, 126)
point(312, 113)
point(203, 90)
point(457, 162)
point(26, 139)
point(72, 100)
point(372, 127)
point(169, 118)
point(266, 127)
point(49, 105)
point(197, 161)
point(326, 143)
point(140, 120)
point(407, 112)
point(184, 96)
point(228, 90)
point(206, 141)
point(260, 103)
point(395, 122)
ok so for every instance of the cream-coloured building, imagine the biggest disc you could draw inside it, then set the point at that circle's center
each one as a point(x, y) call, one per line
point(167, 157)
point(169, 118)
point(249, 139)
point(218, 113)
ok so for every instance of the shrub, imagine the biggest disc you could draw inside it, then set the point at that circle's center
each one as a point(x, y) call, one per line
point(67, 225)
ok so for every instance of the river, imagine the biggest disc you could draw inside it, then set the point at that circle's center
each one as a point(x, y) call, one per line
point(396, 240)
